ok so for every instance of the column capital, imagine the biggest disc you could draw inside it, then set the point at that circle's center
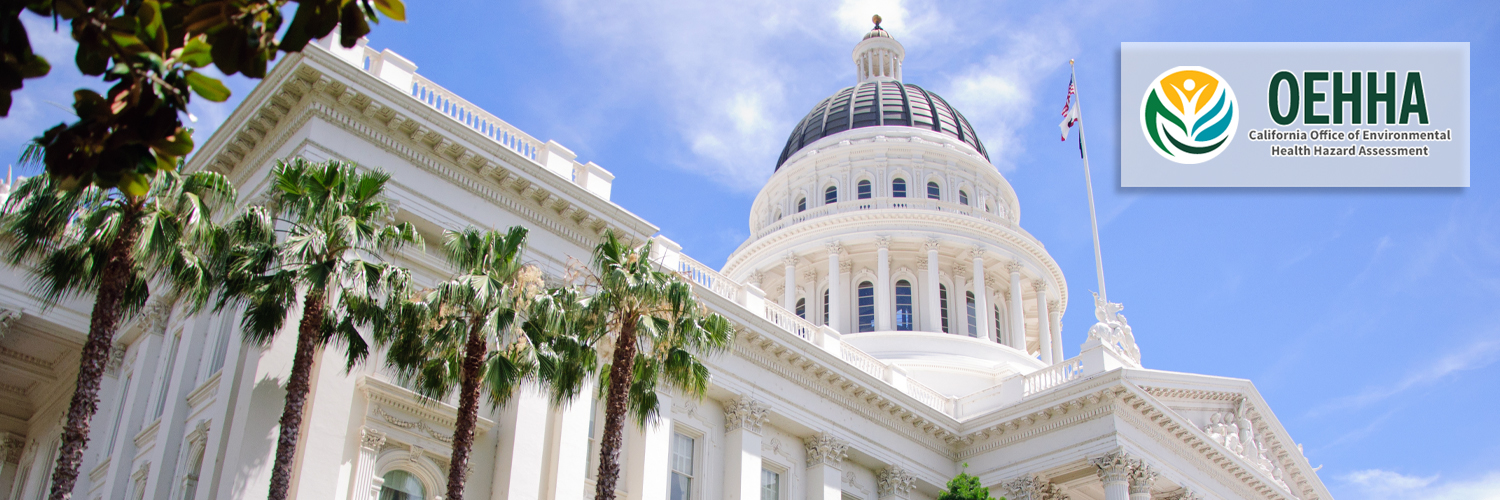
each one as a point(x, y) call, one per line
point(834, 247)
point(810, 276)
point(894, 482)
point(789, 260)
point(1114, 467)
point(745, 413)
point(846, 266)
point(1040, 285)
point(1052, 307)
point(882, 241)
point(1141, 477)
point(960, 269)
point(977, 252)
point(933, 244)
point(11, 446)
point(371, 438)
point(921, 264)
point(1032, 487)
point(1014, 266)
point(1183, 493)
point(824, 449)
point(757, 278)
point(116, 358)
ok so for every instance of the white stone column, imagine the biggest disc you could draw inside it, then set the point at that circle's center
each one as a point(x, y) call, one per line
point(1054, 317)
point(894, 482)
point(1017, 338)
point(370, 442)
point(835, 289)
point(1114, 472)
point(1043, 324)
point(573, 447)
point(647, 471)
point(825, 454)
point(789, 298)
point(743, 419)
point(981, 297)
point(518, 467)
point(934, 306)
point(883, 284)
point(1141, 478)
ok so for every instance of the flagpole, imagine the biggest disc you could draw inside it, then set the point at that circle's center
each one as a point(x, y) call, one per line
point(1088, 180)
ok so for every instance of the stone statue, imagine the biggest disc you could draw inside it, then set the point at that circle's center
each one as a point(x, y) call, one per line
point(1113, 331)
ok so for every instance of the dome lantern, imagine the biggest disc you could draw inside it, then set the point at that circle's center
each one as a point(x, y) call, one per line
point(878, 56)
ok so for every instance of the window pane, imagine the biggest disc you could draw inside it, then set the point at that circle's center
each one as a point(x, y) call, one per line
point(401, 485)
point(825, 307)
point(682, 467)
point(943, 304)
point(801, 204)
point(866, 307)
point(998, 337)
point(863, 189)
point(973, 317)
point(802, 308)
point(933, 192)
point(904, 318)
point(963, 197)
point(831, 195)
point(770, 485)
point(898, 188)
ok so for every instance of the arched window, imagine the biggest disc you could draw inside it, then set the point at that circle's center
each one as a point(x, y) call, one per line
point(866, 307)
point(801, 204)
point(802, 308)
point(998, 337)
point(903, 306)
point(898, 188)
point(825, 307)
point(401, 485)
point(862, 190)
point(943, 305)
point(973, 315)
point(933, 191)
point(963, 197)
point(831, 195)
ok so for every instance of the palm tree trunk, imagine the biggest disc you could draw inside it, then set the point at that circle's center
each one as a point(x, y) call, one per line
point(468, 411)
point(621, 374)
point(297, 387)
point(102, 325)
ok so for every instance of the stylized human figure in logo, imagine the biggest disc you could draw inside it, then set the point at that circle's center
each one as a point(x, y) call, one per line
point(1188, 114)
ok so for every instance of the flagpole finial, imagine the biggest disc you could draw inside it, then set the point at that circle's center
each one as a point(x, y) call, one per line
point(1070, 62)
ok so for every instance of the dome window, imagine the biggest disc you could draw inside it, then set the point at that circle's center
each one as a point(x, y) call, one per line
point(801, 204)
point(898, 188)
point(825, 306)
point(831, 195)
point(943, 305)
point(963, 197)
point(973, 315)
point(862, 190)
point(934, 192)
point(998, 337)
point(866, 307)
point(904, 318)
point(802, 308)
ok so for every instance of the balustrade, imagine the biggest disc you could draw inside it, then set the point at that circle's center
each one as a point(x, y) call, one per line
point(472, 116)
point(881, 203)
point(1053, 376)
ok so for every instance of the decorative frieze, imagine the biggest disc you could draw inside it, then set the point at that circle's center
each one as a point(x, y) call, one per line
point(745, 413)
point(824, 449)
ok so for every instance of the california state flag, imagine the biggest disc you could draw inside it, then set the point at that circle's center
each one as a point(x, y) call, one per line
point(1069, 112)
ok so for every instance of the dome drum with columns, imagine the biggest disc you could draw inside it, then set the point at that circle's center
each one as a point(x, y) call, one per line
point(886, 222)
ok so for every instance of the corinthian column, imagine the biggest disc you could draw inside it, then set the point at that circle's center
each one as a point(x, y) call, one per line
point(981, 301)
point(894, 482)
point(1054, 318)
point(1114, 471)
point(743, 419)
point(883, 284)
point(789, 297)
point(1017, 338)
point(835, 288)
point(934, 306)
point(1141, 477)
point(1043, 322)
point(825, 453)
point(370, 441)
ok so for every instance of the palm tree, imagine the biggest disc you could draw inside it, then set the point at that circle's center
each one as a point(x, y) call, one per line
point(320, 233)
point(120, 245)
point(440, 338)
point(659, 329)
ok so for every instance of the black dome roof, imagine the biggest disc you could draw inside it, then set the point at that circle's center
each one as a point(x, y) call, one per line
point(880, 103)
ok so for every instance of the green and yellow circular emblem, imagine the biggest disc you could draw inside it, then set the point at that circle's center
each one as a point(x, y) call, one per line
point(1189, 114)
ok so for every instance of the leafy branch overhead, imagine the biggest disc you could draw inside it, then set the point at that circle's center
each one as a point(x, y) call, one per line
point(154, 52)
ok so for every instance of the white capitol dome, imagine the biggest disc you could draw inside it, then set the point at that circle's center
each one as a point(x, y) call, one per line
point(885, 190)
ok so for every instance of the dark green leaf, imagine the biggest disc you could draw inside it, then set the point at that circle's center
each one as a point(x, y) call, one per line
point(393, 9)
point(207, 87)
point(196, 53)
point(90, 60)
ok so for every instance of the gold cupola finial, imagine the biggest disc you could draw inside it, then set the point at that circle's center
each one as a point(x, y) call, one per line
point(876, 18)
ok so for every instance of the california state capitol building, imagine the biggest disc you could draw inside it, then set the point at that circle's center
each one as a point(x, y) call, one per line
point(896, 324)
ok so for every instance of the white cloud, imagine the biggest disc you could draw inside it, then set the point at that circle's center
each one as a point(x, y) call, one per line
point(1475, 355)
point(1376, 484)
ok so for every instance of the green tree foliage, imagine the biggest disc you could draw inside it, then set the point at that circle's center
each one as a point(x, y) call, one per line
point(966, 487)
point(153, 51)
point(121, 248)
point(320, 235)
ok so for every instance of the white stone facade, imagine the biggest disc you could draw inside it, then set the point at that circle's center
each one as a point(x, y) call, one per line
point(826, 410)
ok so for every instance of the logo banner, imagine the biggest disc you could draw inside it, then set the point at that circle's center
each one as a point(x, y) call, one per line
point(1294, 115)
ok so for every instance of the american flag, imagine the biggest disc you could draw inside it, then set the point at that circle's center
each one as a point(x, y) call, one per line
point(1069, 112)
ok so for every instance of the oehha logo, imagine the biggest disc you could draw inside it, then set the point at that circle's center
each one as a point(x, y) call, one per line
point(1188, 114)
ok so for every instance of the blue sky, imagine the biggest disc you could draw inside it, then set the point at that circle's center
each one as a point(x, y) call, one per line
point(1366, 317)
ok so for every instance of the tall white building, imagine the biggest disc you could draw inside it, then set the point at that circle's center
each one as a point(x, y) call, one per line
point(895, 320)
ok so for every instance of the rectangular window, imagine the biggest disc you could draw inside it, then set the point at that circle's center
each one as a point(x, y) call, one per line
point(825, 307)
point(863, 190)
point(770, 485)
point(943, 305)
point(802, 308)
point(973, 315)
point(904, 318)
point(682, 467)
point(998, 337)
